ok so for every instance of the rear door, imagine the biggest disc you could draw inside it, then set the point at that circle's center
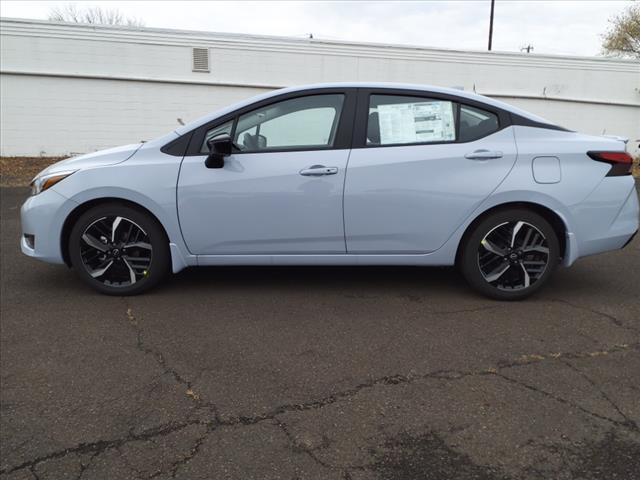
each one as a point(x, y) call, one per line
point(421, 163)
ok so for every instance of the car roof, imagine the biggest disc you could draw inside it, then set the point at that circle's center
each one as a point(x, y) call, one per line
point(376, 85)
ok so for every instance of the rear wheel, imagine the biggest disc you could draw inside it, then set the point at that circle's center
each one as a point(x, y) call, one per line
point(119, 250)
point(510, 254)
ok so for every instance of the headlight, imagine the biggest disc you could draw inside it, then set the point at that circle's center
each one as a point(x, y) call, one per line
point(44, 182)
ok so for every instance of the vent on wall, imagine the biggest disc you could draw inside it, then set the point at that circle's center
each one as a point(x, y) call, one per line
point(200, 59)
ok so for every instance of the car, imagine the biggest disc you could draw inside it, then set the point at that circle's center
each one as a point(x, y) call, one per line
point(340, 174)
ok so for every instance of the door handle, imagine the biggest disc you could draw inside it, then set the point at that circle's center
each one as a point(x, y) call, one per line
point(318, 171)
point(483, 155)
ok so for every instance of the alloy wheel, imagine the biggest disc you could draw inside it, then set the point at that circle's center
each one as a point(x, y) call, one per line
point(513, 255)
point(116, 251)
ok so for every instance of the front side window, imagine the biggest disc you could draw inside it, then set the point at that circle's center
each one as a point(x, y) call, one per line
point(305, 122)
point(401, 120)
point(476, 123)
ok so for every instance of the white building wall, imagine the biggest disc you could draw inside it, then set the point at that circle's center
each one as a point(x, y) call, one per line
point(76, 88)
point(52, 116)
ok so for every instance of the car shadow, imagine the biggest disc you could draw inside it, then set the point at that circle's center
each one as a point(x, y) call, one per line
point(360, 281)
point(319, 277)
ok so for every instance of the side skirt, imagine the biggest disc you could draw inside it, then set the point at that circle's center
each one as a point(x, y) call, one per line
point(345, 259)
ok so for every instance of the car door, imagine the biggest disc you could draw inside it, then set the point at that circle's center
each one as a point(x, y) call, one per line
point(421, 163)
point(280, 191)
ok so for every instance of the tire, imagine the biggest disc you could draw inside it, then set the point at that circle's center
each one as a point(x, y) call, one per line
point(135, 260)
point(504, 266)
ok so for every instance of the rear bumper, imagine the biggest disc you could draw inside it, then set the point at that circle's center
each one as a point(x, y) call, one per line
point(608, 218)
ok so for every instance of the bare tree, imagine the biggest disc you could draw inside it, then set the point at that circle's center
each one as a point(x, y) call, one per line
point(623, 37)
point(95, 15)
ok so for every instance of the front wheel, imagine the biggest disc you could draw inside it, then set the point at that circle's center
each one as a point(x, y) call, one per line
point(119, 250)
point(510, 254)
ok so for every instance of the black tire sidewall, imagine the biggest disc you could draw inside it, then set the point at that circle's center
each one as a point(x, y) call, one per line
point(161, 257)
point(469, 262)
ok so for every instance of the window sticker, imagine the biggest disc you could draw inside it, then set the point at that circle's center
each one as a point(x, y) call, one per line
point(416, 122)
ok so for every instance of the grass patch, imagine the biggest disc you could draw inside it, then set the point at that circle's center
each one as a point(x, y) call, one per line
point(19, 171)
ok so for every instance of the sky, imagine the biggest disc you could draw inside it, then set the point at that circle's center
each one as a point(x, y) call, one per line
point(551, 27)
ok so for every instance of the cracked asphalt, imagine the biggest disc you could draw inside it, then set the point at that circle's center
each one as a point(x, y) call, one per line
point(318, 373)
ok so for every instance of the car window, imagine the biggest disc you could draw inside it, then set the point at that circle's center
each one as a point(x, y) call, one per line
point(395, 119)
point(214, 132)
point(476, 123)
point(306, 122)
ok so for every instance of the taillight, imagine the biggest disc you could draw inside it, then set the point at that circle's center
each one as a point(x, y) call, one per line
point(620, 162)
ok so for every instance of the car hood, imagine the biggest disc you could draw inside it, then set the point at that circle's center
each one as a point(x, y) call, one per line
point(100, 158)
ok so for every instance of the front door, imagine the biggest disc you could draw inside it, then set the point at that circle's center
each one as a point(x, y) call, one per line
point(280, 192)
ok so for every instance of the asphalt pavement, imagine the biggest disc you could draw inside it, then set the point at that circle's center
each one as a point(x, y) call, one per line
point(318, 373)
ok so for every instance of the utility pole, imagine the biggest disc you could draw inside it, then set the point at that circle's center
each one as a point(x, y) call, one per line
point(493, 2)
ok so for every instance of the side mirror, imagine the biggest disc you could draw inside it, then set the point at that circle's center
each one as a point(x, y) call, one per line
point(219, 147)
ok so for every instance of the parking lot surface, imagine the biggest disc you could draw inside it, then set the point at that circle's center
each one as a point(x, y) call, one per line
point(318, 373)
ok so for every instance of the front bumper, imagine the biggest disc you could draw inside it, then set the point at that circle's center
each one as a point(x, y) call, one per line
point(42, 216)
point(630, 239)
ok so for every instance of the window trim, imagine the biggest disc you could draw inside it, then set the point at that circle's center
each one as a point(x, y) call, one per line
point(343, 137)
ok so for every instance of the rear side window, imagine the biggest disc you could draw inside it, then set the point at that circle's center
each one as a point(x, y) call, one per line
point(476, 123)
point(403, 120)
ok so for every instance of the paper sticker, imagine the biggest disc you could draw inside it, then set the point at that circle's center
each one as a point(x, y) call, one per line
point(416, 122)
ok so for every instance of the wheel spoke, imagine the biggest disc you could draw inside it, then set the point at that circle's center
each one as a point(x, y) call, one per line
point(129, 232)
point(516, 229)
point(132, 274)
point(101, 228)
point(491, 247)
point(114, 226)
point(527, 236)
point(144, 245)
point(527, 280)
point(94, 242)
point(101, 271)
point(536, 248)
point(534, 262)
point(497, 273)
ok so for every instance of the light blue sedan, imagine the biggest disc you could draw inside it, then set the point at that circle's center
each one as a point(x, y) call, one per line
point(340, 174)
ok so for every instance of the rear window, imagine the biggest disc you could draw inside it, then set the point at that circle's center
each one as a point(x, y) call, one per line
point(476, 123)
